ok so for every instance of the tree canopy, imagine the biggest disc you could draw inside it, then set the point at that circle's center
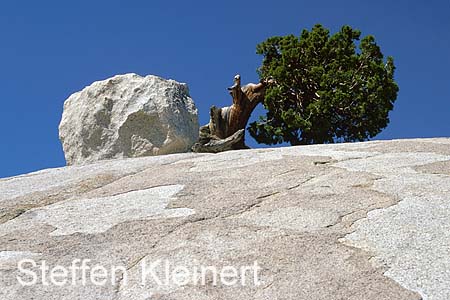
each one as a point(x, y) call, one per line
point(327, 88)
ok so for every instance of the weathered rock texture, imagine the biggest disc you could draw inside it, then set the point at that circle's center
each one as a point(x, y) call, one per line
point(128, 116)
point(349, 221)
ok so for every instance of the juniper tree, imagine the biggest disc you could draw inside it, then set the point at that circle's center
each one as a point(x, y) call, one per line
point(328, 88)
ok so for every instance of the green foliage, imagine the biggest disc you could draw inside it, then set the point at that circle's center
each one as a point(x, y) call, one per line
point(325, 89)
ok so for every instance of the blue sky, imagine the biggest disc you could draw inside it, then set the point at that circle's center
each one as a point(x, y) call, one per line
point(51, 49)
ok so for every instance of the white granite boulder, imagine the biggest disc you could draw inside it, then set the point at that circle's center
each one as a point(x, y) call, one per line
point(128, 116)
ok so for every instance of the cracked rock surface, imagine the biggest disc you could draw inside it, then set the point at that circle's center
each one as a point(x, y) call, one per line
point(348, 221)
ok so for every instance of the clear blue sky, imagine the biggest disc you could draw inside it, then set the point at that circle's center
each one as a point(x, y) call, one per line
point(50, 49)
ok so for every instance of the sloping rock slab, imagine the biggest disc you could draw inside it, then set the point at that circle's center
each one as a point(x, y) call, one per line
point(348, 221)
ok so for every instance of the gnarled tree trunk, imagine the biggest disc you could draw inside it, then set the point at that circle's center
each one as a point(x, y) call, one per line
point(226, 128)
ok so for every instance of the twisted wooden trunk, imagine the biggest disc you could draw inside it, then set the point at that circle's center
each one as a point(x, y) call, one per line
point(226, 128)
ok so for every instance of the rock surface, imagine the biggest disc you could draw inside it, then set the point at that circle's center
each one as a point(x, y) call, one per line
point(349, 221)
point(128, 116)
